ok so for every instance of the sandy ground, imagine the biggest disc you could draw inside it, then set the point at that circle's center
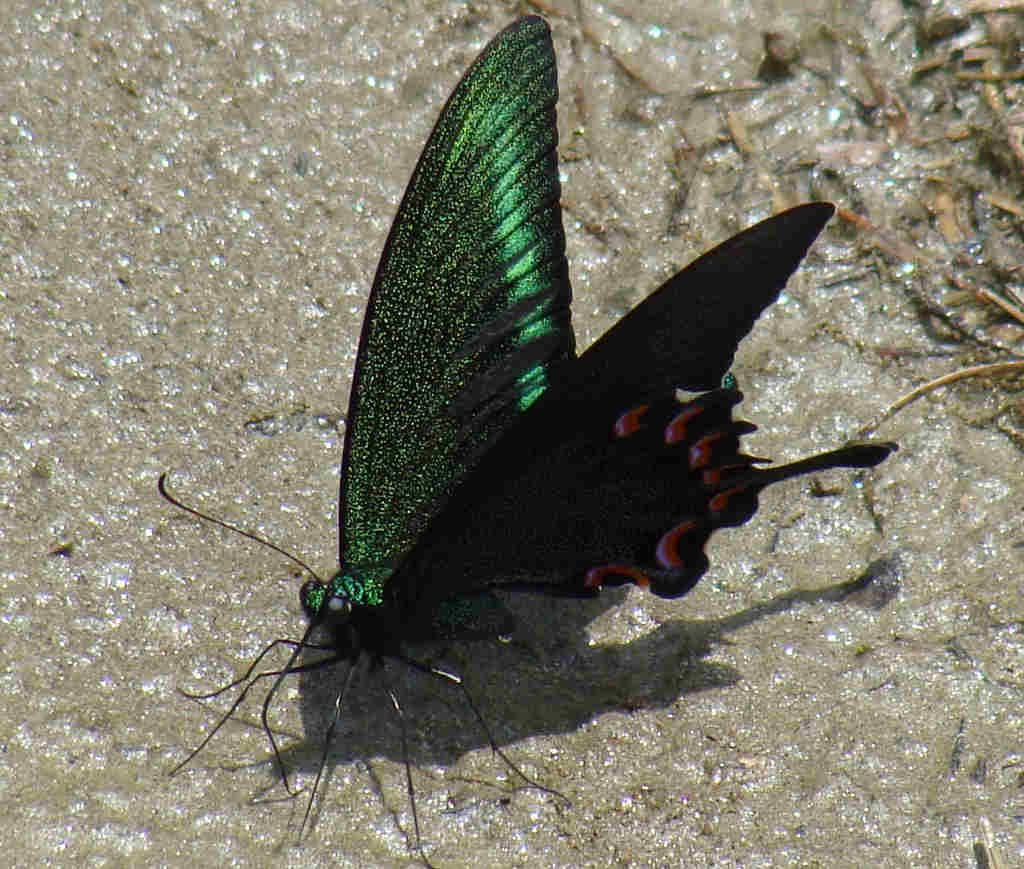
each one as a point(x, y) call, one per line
point(193, 200)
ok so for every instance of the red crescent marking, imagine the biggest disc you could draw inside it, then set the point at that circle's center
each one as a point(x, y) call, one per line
point(700, 452)
point(629, 422)
point(720, 501)
point(675, 431)
point(595, 576)
point(668, 547)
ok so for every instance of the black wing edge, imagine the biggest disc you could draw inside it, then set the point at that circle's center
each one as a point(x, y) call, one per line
point(685, 334)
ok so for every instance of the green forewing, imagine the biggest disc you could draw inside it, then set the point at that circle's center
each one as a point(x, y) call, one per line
point(469, 310)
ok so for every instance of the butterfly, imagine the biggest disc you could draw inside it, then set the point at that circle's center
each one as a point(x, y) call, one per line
point(481, 451)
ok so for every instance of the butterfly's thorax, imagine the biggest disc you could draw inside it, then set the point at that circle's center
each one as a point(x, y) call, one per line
point(378, 630)
point(354, 609)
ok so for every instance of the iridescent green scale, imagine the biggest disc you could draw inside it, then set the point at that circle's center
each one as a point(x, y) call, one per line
point(470, 305)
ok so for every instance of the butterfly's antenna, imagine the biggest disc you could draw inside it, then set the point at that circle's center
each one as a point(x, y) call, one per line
point(456, 680)
point(161, 485)
point(338, 701)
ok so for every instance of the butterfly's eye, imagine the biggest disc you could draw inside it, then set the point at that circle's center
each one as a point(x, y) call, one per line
point(338, 607)
point(312, 596)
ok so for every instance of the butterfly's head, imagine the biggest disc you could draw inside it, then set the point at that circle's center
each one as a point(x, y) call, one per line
point(334, 601)
point(324, 603)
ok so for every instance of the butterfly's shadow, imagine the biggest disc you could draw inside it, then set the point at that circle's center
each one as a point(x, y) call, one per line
point(549, 679)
